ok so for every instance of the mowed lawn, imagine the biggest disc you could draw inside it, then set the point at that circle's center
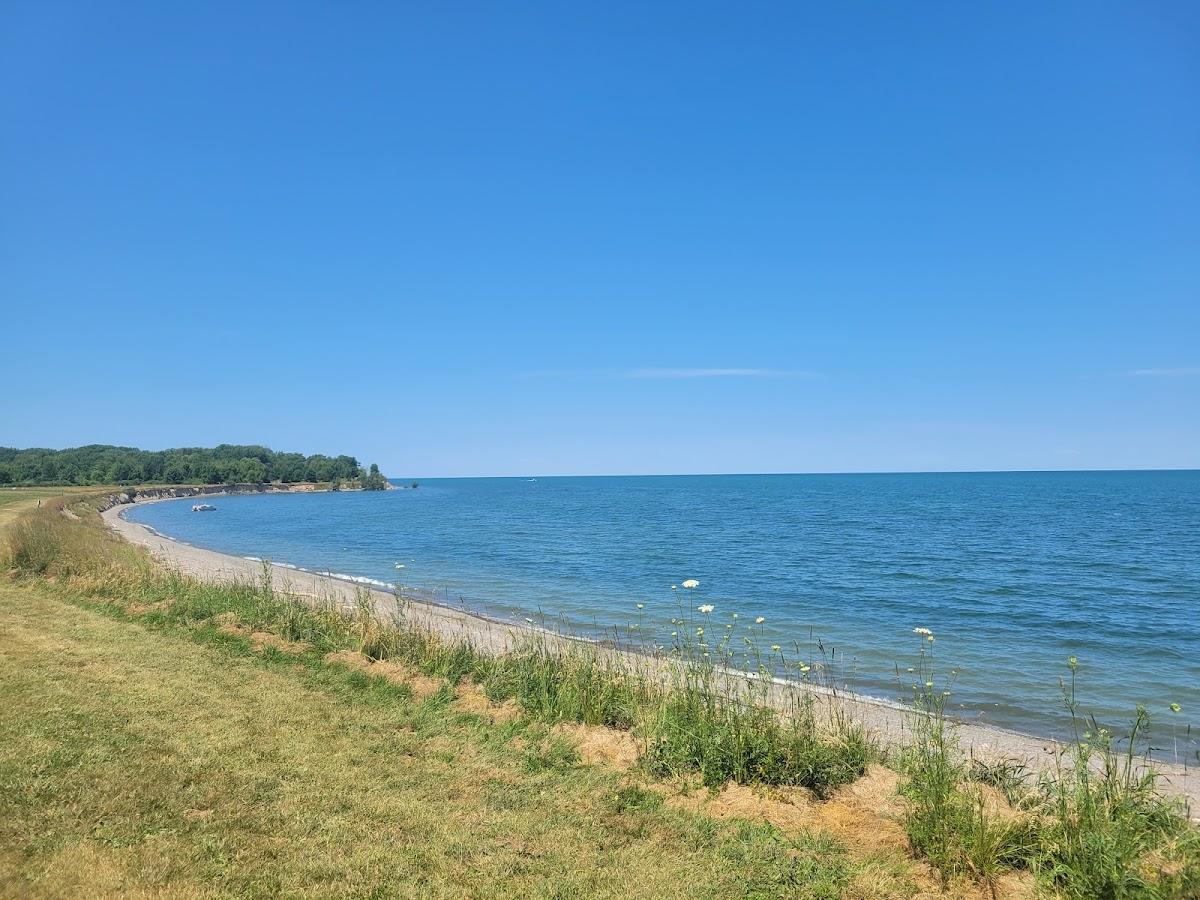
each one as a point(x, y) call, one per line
point(138, 760)
point(14, 501)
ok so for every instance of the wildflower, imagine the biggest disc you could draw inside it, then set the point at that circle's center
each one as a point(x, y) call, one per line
point(728, 626)
point(922, 631)
point(700, 631)
point(911, 669)
point(759, 620)
point(691, 583)
point(674, 587)
point(735, 615)
point(529, 620)
point(1072, 662)
point(1175, 707)
point(929, 638)
point(674, 634)
point(641, 606)
point(774, 648)
point(705, 608)
point(929, 684)
point(805, 669)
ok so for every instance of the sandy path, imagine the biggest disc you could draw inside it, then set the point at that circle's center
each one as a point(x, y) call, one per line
point(889, 723)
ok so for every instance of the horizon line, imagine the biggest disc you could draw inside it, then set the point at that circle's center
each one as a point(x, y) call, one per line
point(829, 472)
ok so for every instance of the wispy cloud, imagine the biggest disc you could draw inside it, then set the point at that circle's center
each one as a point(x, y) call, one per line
point(716, 373)
point(1166, 373)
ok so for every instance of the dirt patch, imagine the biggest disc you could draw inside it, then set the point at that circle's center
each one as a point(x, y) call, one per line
point(263, 639)
point(785, 809)
point(599, 745)
point(422, 686)
point(140, 609)
point(863, 815)
point(227, 622)
point(472, 699)
point(1015, 886)
point(866, 815)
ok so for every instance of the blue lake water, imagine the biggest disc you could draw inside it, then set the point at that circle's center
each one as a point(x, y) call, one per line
point(1014, 572)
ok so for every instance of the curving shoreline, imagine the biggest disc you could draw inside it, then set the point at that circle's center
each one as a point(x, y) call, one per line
point(888, 721)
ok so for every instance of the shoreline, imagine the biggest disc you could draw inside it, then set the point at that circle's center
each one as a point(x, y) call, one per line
point(886, 720)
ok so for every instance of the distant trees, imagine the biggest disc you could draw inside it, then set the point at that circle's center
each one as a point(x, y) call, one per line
point(224, 464)
point(373, 481)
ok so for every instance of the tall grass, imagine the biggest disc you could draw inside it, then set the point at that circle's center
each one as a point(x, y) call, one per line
point(1098, 826)
point(1108, 831)
point(947, 817)
point(724, 726)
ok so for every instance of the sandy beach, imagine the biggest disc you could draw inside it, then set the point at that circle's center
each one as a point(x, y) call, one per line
point(889, 723)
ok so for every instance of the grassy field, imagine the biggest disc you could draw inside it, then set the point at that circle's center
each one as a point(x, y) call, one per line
point(165, 736)
point(14, 501)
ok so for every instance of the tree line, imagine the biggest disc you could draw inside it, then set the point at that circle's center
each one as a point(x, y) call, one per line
point(224, 464)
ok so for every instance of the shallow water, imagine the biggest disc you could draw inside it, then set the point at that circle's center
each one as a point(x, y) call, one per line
point(1014, 572)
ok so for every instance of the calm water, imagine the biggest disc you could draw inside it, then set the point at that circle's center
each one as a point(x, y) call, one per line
point(1013, 571)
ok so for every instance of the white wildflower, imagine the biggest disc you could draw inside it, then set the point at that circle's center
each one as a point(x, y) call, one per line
point(691, 583)
point(706, 608)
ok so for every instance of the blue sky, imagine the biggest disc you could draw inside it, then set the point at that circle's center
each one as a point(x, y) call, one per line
point(606, 238)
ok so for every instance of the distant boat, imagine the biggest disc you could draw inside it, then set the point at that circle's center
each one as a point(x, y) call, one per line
point(202, 507)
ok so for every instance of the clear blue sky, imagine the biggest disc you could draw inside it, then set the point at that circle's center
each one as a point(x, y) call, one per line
point(489, 238)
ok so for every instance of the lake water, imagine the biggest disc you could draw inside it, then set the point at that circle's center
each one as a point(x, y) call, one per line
point(1014, 572)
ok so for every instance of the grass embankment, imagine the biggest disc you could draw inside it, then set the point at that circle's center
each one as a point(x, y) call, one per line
point(161, 733)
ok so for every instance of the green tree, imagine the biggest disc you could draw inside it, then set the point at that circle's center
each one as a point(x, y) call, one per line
point(373, 480)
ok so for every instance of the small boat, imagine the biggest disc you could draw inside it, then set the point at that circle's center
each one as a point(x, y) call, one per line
point(202, 507)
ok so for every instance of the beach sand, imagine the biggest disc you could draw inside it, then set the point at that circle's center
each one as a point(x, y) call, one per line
point(889, 723)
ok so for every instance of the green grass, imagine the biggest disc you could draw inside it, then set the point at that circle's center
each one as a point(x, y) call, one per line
point(1099, 827)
